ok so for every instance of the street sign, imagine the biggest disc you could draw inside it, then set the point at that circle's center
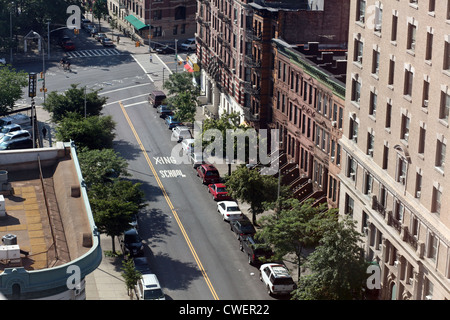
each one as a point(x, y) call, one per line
point(32, 84)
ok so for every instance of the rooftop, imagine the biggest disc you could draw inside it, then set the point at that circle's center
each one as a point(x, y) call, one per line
point(45, 211)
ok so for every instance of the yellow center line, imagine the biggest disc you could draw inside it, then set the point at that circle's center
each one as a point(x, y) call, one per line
point(169, 202)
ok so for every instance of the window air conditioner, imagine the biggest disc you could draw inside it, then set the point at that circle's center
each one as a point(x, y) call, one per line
point(359, 59)
point(418, 194)
point(425, 103)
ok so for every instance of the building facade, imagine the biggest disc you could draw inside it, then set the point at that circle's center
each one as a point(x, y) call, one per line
point(396, 128)
point(157, 21)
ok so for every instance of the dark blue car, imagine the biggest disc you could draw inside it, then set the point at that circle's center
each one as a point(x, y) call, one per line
point(172, 122)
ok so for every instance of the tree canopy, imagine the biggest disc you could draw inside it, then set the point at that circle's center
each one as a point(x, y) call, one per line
point(12, 83)
point(83, 130)
point(73, 101)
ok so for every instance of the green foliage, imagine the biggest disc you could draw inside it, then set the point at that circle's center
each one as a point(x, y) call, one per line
point(250, 186)
point(298, 226)
point(185, 104)
point(130, 274)
point(338, 266)
point(11, 84)
point(72, 101)
point(99, 8)
point(96, 132)
point(100, 166)
point(180, 82)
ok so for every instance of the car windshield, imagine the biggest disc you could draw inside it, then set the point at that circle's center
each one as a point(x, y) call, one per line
point(283, 281)
point(234, 208)
point(212, 173)
point(5, 130)
point(221, 189)
point(6, 138)
point(153, 294)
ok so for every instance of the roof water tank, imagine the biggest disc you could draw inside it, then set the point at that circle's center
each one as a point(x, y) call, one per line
point(9, 239)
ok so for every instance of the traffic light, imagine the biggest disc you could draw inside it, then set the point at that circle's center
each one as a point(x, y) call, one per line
point(76, 31)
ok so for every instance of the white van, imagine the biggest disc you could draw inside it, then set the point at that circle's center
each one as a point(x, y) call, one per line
point(148, 288)
point(188, 145)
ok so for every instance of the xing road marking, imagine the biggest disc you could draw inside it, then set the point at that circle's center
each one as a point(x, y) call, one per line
point(169, 202)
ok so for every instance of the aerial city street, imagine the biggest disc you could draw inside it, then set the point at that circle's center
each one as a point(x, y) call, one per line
point(224, 150)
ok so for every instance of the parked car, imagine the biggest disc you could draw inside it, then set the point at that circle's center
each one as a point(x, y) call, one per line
point(229, 210)
point(15, 135)
point(85, 22)
point(21, 119)
point(172, 122)
point(196, 158)
point(88, 27)
point(189, 45)
point(165, 49)
point(148, 288)
point(100, 36)
point(277, 279)
point(208, 173)
point(164, 111)
point(156, 98)
point(219, 191)
point(181, 132)
point(64, 39)
point(22, 143)
point(188, 145)
point(9, 128)
point(107, 42)
point(131, 243)
point(69, 45)
point(242, 228)
point(255, 249)
point(141, 265)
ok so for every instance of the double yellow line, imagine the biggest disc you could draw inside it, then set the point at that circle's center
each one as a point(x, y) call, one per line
point(169, 202)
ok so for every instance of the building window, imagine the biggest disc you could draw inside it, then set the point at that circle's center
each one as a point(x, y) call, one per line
point(349, 205)
point(370, 144)
point(411, 43)
point(429, 46)
point(425, 93)
point(409, 76)
point(422, 133)
point(404, 134)
point(401, 171)
point(385, 157)
point(373, 104)
point(418, 185)
point(378, 18)
point(180, 13)
point(353, 134)
point(440, 155)
point(361, 11)
point(391, 72)
point(445, 107)
point(351, 169)
point(431, 5)
point(394, 28)
point(356, 91)
point(447, 56)
point(368, 183)
point(358, 51)
point(433, 247)
point(387, 122)
point(375, 62)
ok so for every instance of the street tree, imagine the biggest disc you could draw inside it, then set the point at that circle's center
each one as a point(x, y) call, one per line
point(185, 105)
point(297, 227)
point(101, 165)
point(130, 275)
point(75, 99)
point(95, 132)
point(338, 266)
point(115, 205)
point(12, 83)
point(180, 82)
point(99, 9)
point(250, 186)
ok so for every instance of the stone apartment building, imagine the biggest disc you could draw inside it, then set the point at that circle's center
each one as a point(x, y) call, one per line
point(396, 127)
point(160, 21)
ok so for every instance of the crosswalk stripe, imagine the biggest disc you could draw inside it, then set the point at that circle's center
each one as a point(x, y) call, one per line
point(93, 53)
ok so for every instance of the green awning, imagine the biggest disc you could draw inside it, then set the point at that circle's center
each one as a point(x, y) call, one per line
point(136, 23)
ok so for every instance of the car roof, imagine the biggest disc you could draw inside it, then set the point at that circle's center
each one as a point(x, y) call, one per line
point(12, 125)
point(13, 133)
point(150, 281)
point(158, 93)
point(181, 128)
point(229, 203)
point(278, 269)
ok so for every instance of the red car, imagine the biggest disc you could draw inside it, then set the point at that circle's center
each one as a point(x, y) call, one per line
point(69, 46)
point(219, 191)
point(208, 173)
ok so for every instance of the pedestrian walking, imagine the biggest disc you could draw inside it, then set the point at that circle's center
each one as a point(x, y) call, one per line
point(44, 132)
point(118, 39)
point(151, 59)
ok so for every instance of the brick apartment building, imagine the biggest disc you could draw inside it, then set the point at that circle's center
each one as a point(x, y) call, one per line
point(393, 178)
point(161, 21)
